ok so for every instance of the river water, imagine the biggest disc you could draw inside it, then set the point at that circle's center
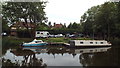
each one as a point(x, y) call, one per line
point(61, 56)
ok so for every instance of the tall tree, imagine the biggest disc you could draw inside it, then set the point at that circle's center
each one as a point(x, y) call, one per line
point(88, 20)
point(31, 12)
point(64, 25)
point(70, 25)
point(49, 24)
point(103, 20)
point(106, 19)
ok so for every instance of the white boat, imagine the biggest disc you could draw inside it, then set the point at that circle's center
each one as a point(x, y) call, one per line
point(91, 50)
point(89, 43)
point(35, 43)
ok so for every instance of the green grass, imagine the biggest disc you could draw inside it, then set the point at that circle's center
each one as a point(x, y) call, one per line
point(64, 40)
point(13, 41)
point(16, 41)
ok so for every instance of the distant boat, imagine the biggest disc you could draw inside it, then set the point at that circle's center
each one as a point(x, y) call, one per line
point(35, 43)
point(89, 43)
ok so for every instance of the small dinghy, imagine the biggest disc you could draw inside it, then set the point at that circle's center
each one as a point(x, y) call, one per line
point(35, 43)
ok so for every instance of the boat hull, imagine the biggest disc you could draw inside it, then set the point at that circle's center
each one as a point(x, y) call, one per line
point(34, 45)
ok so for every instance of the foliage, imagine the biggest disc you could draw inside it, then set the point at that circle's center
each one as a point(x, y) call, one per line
point(13, 41)
point(15, 11)
point(42, 26)
point(74, 26)
point(32, 62)
point(29, 12)
point(102, 21)
point(5, 27)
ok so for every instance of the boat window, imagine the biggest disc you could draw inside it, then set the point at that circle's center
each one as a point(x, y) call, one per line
point(91, 50)
point(96, 42)
point(37, 41)
point(38, 32)
point(81, 42)
point(41, 33)
point(101, 50)
point(91, 42)
point(47, 33)
point(101, 42)
point(81, 51)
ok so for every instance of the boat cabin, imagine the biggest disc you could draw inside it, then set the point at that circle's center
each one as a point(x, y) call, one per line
point(88, 43)
point(37, 41)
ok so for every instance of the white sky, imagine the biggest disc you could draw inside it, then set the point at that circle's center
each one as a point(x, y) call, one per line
point(66, 11)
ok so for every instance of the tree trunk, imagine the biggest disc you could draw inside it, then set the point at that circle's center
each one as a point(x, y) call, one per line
point(26, 25)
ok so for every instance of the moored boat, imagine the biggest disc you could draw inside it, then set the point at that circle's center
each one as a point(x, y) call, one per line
point(35, 43)
point(89, 43)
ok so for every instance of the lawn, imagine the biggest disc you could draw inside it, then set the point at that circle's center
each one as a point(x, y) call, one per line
point(13, 41)
point(61, 39)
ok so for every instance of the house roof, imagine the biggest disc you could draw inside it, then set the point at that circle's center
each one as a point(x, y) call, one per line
point(58, 25)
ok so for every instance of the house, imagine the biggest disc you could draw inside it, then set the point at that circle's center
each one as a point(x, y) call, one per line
point(20, 26)
point(57, 26)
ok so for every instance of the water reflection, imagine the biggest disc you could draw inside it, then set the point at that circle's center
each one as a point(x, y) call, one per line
point(29, 59)
point(41, 56)
point(60, 50)
point(99, 57)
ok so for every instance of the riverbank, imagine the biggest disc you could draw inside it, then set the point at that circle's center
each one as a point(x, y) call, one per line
point(11, 41)
point(62, 39)
point(115, 41)
point(14, 42)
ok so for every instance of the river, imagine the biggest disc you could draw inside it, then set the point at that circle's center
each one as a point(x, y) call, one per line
point(61, 56)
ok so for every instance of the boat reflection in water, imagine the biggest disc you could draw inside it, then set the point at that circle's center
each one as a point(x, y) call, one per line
point(36, 49)
point(66, 50)
point(34, 56)
point(90, 50)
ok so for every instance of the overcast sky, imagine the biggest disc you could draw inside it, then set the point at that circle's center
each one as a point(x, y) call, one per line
point(66, 11)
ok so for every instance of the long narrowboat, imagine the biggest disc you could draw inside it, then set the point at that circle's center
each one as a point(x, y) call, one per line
point(89, 43)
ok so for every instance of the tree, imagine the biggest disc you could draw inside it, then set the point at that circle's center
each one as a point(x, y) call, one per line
point(88, 20)
point(75, 25)
point(64, 25)
point(102, 20)
point(30, 12)
point(54, 23)
point(49, 24)
point(70, 25)
point(106, 19)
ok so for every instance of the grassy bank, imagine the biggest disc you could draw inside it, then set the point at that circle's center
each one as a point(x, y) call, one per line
point(64, 40)
point(115, 41)
point(13, 41)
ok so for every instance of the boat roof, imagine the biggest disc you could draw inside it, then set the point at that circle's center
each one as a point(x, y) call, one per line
point(36, 40)
point(87, 40)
